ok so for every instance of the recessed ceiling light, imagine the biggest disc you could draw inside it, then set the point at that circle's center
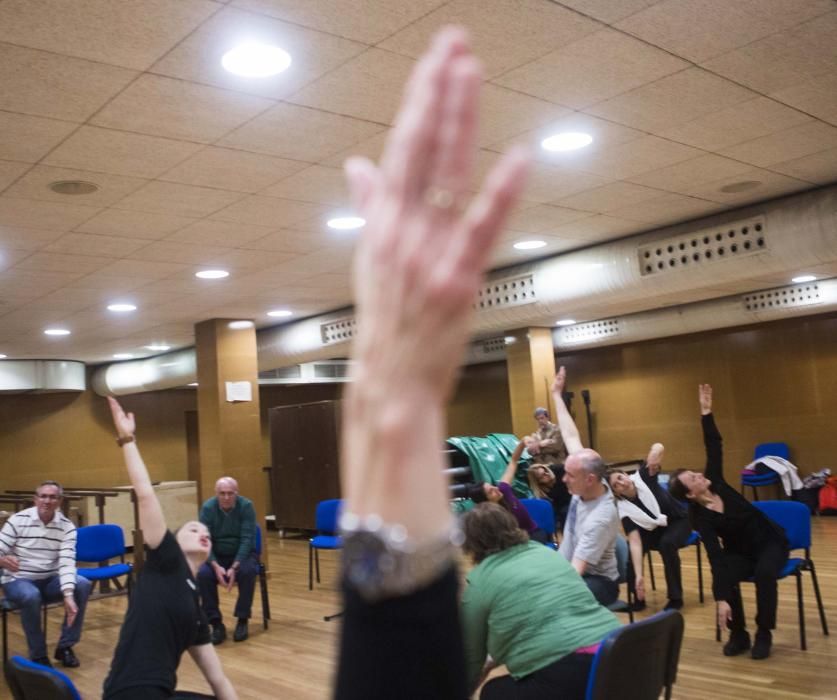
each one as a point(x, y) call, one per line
point(122, 356)
point(255, 60)
point(566, 141)
point(3, 357)
point(565, 322)
point(192, 384)
point(212, 274)
point(158, 348)
point(73, 187)
point(239, 325)
point(56, 331)
point(121, 308)
point(529, 245)
point(804, 278)
point(742, 186)
point(346, 223)
point(280, 313)
point(510, 339)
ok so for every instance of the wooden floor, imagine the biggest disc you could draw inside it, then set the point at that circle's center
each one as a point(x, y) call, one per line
point(294, 659)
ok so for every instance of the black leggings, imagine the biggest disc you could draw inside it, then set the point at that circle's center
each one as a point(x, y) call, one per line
point(668, 541)
point(146, 692)
point(565, 679)
point(764, 568)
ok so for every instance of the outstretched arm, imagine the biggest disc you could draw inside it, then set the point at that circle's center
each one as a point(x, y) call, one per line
point(152, 522)
point(711, 437)
point(206, 658)
point(635, 548)
point(511, 467)
point(566, 424)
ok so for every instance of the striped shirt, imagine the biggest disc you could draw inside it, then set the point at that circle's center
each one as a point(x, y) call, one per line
point(42, 550)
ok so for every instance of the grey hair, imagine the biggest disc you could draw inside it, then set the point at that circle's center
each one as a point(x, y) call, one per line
point(49, 482)
point(540, 411)
point(593, 464)
point(229, 479)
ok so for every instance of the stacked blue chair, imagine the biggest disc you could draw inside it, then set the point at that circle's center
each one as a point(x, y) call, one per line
point(326, 537)
point(100, 544)
point(754, 481)
point(540, 510)
point(30, 681)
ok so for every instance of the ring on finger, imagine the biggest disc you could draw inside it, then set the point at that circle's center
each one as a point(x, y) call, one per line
point(441, 198)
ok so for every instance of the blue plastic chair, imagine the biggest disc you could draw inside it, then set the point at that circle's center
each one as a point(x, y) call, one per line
point(101, 543)
point(754, 481)
point(795, 518)
point(326, 537)
point(257, 548)
point(694, 539)
point(30, 681)
point(540, 510)
point(636, 662)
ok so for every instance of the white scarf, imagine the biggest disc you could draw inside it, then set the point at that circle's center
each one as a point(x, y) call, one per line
point(635, 513)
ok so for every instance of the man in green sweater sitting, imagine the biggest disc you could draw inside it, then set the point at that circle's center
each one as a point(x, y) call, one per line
point(231, 520)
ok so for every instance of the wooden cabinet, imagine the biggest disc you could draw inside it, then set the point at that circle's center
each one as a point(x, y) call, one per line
point(305, 456)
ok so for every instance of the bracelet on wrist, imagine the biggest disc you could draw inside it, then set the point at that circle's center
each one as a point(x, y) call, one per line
point(125, 440)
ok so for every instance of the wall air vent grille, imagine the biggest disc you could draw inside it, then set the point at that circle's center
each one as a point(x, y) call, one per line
point(594, 330)
point(783, 297)
point(506, 292)
point(290, 372)
point(331, 370)
point(700, 248)
point(338, 331)
point(493, 345)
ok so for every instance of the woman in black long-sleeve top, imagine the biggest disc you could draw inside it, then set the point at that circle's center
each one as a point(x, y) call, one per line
point(741, 541)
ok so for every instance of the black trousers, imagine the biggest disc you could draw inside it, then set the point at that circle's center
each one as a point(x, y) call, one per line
point(565, 679)
point(156, 693)
point(763, 567)
point(668, 541)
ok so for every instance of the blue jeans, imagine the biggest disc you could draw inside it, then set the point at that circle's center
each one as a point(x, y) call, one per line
point(28, 594)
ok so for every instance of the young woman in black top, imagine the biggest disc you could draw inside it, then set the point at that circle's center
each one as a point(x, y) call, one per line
point(740, 540)
point(164, 616)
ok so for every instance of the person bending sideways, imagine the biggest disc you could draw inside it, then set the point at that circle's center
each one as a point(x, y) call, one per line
point(592, 525)
point(740, 540)
point(503, 494)
point(652, 519)
point(231, 520)
point(527, 609)
point(38, 557)
point(164, 616)
point(417, 267)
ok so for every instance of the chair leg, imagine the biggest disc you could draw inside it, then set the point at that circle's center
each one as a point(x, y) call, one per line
point(317, 563)
point(310, 568)
point(651, 571)
point(755, 493)
point(700, 571)
point(5, 638)
point(717, 626)
point(803, 643)
point(631, 599)
point(265, 599)
point(810, 566)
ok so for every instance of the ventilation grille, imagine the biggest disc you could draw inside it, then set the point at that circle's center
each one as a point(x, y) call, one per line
point(331, 370)
point(783, 297)
point(703, 247)
point(493, 345)
point(338, 331)
point(506, 292)
point(291, 372)
point(594, 330)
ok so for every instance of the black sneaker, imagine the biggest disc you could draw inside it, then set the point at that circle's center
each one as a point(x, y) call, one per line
point(638, 605)
point(219, 633)
point(241, 632)
point(43, 660)
point(761, 647)
point(739, 642)
point(67, 657)
point(673, 604)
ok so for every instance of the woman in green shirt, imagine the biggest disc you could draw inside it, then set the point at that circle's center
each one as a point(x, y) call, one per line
point(527, 608)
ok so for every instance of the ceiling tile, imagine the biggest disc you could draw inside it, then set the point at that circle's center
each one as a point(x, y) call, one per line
point(25, 238)
point(187, 254)
point(700, 29)
point(45, 215)
point(9, 172)
point(632, 158)
point(28, 138)
point(599, 66)
point(241, 171)
point(548, 184)
point(220, 233)
point(673, 100)
point(111, 282)
point(371, 148)
point(772, 185)
point(500, 38)
point(314, 184)
point(666, 209)
point(505, 253)
point(505, 114)
point(597, 228)
point(179, 109)
point(35, 185)
point(816, 96)
point(119, 152)
point(95, 244)
point(820, 168)
point(9, 258)
point(132, 224)
point(49, 85)
point(130, 33)
point(149, 270)
point(741, 122)
point(369, 21)
point(198, 58)
point(270, 211)
point(542, 218)
point(289, 240)
point(62, 262)
point(785, 145)
point(607, 10)
point(300, 133)
point(609, 197)
point(180, 200)
point(24, 282)
point(682, 177)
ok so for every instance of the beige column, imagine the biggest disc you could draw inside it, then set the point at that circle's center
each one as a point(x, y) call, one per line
point(229, 432)
point(530, 360)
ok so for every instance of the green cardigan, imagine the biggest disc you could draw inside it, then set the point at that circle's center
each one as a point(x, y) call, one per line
point(234, 532)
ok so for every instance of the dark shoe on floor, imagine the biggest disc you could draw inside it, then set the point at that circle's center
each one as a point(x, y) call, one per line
point(241, 632)
point(761, 647)
point(219, 633)
point(674, 604)
point(67, 657)
point(738, 643)
point(43, 660)
point(638, 606)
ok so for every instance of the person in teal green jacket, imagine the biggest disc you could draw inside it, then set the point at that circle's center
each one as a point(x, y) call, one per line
point(231, 520)
point(526, 607)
